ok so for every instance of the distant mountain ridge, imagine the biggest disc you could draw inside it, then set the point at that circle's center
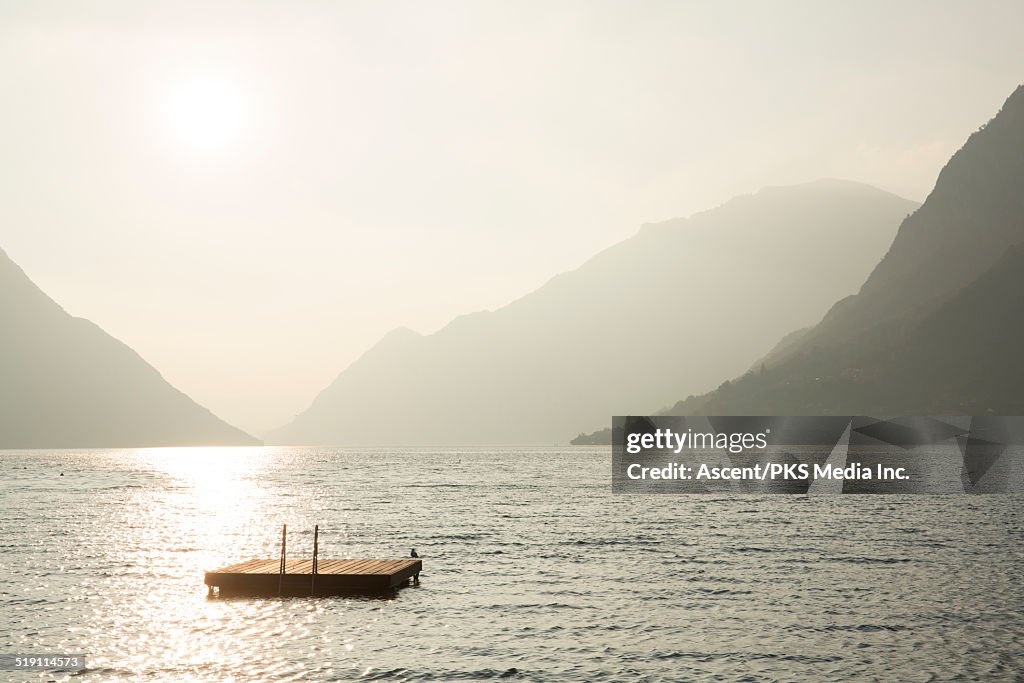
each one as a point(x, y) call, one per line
point(65, 383)
point(938, 326)
point(683, 302)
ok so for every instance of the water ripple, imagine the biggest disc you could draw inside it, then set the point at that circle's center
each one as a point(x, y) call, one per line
point(527, 577)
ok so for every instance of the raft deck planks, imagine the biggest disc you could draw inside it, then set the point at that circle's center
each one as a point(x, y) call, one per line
point(333, 577)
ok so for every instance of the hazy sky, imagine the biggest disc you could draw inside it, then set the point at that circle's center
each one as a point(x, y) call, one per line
point(251, 194)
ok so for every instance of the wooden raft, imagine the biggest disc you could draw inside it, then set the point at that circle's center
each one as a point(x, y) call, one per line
point(331, 577)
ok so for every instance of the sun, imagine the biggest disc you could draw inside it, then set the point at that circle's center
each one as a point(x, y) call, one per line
point(205, 113)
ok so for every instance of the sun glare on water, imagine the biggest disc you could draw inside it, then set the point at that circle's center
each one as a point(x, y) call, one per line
point(220, 485)
point(205, 113)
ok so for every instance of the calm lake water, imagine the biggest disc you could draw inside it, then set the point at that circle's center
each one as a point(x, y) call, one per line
point(533, 571)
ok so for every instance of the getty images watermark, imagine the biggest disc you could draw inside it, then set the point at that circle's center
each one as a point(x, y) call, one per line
point(836, 454)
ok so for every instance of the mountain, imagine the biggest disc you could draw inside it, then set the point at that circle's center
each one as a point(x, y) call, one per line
point(681, 303)
point(65, 383)
point(937, 326)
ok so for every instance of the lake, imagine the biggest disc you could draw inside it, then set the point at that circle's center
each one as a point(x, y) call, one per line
point(533, 571)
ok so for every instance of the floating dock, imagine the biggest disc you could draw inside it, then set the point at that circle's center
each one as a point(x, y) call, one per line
point(312, 577)
point(332, 577)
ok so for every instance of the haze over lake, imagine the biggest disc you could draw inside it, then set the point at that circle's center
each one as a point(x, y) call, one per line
point(251, 196)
